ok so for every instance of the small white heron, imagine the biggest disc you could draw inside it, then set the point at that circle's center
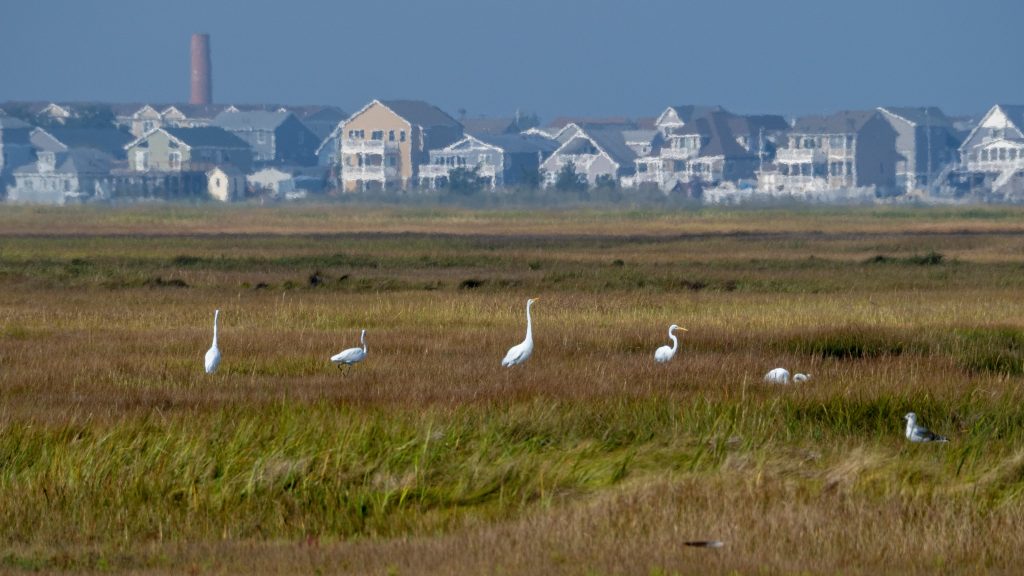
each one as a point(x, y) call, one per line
point(352, 355)
point(916, 433)
point(213, 354)
point(781, 376)
point(665, 353)
point(521, 352)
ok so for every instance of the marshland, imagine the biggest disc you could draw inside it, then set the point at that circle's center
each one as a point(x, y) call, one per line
point(117, 452)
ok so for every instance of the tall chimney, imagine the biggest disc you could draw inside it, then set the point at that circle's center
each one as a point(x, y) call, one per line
point(202, 74)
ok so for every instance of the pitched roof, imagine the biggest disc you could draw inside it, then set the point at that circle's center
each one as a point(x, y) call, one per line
point(75, 161)
point(1015, 113)
point(752, 124)
point(421, 113)
point(520, 143)
point(486, 125)
point(721, 139)
point(921, 116)
point(109, 140)
point(207, 136)
point(251, 120)
point(688, 112)
point(12, 123)
point(611, 121)
point(845, 122)
point(612, 141)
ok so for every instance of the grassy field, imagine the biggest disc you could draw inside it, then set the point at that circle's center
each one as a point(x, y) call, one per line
point(118, 454)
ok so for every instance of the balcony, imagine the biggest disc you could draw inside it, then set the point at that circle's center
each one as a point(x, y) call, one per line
point(380, 173)
point(678, 153)
point(353, 146)
point(436, 170)
point(800, 156)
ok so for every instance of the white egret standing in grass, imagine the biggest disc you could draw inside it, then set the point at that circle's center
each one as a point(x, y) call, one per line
point(352, 355)
point(801, 378)
point(665, 353)
point(917, 433)
point(520, 352)
point(213, 354)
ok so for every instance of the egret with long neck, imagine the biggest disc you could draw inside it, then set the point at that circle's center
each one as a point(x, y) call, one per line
point(213, 354)
point(352, 355)
point(521, 352)
point(666, 353)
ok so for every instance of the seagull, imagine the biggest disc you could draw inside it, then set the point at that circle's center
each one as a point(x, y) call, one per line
point(917, 433)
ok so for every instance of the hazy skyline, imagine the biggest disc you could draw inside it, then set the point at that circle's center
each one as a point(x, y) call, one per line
point(577, 57)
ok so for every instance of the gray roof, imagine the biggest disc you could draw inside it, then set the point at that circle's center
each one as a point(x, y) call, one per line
point(520, 143)
point(207, 136)
point(612, 141)
point(754, 123)
point(620, 122)
point(721, 139)
point(75, 161)
point(421, 113)
point(109, 140)
point(12, 123)
point(688, 112)
point(639, 135)
point(845, 122)
point(921, 116)
point(251, 120)
point(483, 125)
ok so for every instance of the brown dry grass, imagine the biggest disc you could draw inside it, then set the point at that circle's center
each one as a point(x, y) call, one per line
point(116, 452)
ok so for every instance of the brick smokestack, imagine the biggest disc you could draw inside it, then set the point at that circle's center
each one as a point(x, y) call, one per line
point(202, 70)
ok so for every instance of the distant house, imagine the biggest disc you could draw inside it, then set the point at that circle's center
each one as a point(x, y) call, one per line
point(594, 152)
point(499, 159)
point(993, 153)
point(851, 149)
point(321, 120)
point(644, 142)
point(110, 141)
point(15, 147)
point(187, 150)
point(271, 181)
point(384, 144)
point(926, 141)
point(60, 177)
point(226, 183)
point(702, 149)
point(676, 117)
point(275, 137)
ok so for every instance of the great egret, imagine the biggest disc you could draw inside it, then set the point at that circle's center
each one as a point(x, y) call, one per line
point(801, 378)
point(213, 354)
point(520, 352)
point(352, 355)
point(665, 353)
point(917, 433)
point(777, 376)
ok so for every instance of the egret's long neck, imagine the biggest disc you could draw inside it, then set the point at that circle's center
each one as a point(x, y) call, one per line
point(362, 340)
point(529, 323)
point(675, 341)
point(216, 315)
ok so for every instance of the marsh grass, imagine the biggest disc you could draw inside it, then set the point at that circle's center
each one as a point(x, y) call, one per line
point(117, 453)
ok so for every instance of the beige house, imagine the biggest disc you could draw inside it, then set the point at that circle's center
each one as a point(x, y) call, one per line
point(187, 149)
point(226, 183)
point(383, 145)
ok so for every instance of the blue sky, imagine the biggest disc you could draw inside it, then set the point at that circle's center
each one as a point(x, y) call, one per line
point(586, 57)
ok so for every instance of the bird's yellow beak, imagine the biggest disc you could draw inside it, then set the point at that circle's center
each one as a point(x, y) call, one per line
point(536, 299)
point(683, 329)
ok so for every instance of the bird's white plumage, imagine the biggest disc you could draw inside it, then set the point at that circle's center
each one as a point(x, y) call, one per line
point(213, 354)
point(918, 433)
point(521, 352)
point(801, 378)
point(352, 355)
point(665, 353)
point(777, 376)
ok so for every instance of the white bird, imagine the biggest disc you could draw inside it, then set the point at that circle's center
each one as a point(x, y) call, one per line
point(352, 355)
point(777, 376)
point(801, 378)
point(213, 354)
point(917, 433)
point(665, 353)
point(521, 352)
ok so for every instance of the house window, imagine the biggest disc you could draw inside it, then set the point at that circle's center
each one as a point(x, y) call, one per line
point(401, 136)
point(1013, 153)
point(1002, 153)
point(141, 160)
point(260, 137)
point(147, 125)
point(377, 135)
point(174, 160)
point(391, 161)
point(216, 182)
point(391, 135)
